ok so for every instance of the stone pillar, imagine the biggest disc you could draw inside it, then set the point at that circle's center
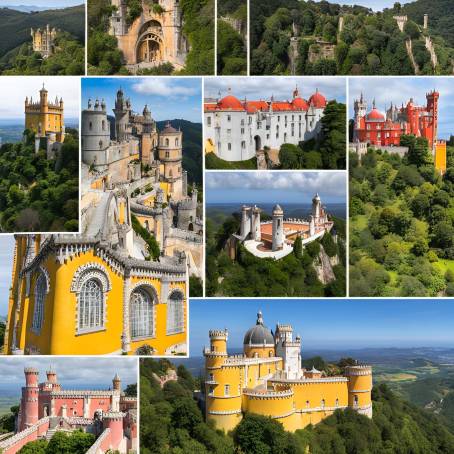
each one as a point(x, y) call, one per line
point(278, 228)
point(125, 337)
point(426, 21)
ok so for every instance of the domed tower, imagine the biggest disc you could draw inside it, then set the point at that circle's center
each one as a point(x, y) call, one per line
point(360, 388)
point(122, 113)
point(278, 228)
point(116, 382)
point(95, 134)
point(29, 401)
point(258, 340)
point(170, 152)
point(256, 231)
point(316, 208)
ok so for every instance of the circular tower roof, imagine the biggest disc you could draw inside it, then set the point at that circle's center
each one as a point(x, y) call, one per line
point(317, 100)
point(375, 115)
point(258, 334)
point(300, 103)
point(230, 102)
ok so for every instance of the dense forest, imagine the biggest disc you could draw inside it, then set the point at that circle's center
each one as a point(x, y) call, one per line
point(250, 276)
point(37, 193)
point(232, 31)
point(320, 38)
point(173, 423)
point(77, 442)
point(325, 152)
point(105, 58)
point(401, 223)
point(16, 53)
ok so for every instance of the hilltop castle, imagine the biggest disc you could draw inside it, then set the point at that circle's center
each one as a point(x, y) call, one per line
point(267, 379)
point(46, 120)
point(46, 408)
point(43, 41)
point(153, 38)
point(238, 130)
point(383, 131)
point(275, 238)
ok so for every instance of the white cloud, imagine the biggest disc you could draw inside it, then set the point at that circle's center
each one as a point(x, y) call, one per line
point(16, 89)
point(164, 87)
point(332, 183)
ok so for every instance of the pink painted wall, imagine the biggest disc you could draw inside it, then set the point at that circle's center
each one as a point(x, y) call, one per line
point(40, 429)
point(72, 404)
point(95, 404)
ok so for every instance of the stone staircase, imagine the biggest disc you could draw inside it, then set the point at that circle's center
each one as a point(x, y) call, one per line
point(50, 433)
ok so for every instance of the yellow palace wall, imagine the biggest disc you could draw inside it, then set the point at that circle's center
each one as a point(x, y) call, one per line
point(58, 335)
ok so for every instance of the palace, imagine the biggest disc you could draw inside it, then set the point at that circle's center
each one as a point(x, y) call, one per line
point(267, 379)
point(377, 129)
point(101, 291)
point(153, 38)
point(43, 41)
point(374, 129)
point(46, 120)
point(275, 238)
point(238, 130)
point(46, 408)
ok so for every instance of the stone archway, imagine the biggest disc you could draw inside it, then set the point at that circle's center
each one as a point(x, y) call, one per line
point(149, 47)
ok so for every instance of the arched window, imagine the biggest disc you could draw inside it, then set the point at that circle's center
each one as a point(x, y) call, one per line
point(90, 126)
point(141, 314)
point(175, 313)
point(91, 306)
point(337, 403)
point(40, 296)
point(355, 401)
point(323, 403)
point(167, 142)
point(103, 125)
point(176, 142)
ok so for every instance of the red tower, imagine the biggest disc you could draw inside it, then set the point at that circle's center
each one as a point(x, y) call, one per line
point(432, 107)
point(114, 422)
point(29, 401)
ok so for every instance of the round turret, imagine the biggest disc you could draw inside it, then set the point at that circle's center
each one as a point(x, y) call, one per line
point(116, 383)
point(360, 388)
point(51, 375)
point(95, 134)
point(278, 228)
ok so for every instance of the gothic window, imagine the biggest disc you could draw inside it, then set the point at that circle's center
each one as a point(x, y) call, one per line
point(142, 316)
point(167, 154)
point(167, 142)
point(91, 306)
point(40, 296)
point(175, 313)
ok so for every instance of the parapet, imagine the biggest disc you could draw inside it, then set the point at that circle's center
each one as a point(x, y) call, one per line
point(218, 333)
point(360, 369)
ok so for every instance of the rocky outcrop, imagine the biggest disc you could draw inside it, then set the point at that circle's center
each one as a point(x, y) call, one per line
point(324, 266)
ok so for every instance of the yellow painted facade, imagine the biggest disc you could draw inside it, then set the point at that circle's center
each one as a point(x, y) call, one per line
point(267, 379)
point(440, 156)
point(63, 264)
point(44, 117)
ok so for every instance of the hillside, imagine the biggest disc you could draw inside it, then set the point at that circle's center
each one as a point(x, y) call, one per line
point(173, 423)
point(15, 25)
point(321, 38)
point(441, 16)
point(401, 223)
point(192, 148)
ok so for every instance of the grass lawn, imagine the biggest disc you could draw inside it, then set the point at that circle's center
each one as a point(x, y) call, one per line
point(213, 162)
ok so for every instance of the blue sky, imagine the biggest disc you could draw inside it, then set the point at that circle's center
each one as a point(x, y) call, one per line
point(72, 373)
point(256, 88)
point(401, 89)
point(167, 98)
point(272, 187)
point(376, 5)
point(330, 324)
point(42, 3)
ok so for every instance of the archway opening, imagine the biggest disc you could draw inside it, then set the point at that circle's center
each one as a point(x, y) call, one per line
point(258, 143)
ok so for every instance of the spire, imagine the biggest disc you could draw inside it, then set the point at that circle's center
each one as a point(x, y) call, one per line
point(373, 104)
point(259, 318)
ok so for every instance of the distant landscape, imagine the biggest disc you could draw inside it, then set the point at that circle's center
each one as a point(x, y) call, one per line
point(7, 401)
point(12, 131)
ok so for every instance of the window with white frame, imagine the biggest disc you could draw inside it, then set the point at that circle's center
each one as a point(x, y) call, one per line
point(323, 403)
point(229, 118)
point(209, 121)
point(40, 297)
point(142, 317)
point(91, 305)
point(175, 313)
point(243, 144)
point(229, 146)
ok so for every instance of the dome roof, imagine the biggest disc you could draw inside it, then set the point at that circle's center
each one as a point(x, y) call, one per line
point(300, 103)
point(258, 334)
point(317, 100)
point(277, 209)
point(230, 102)
point(169, 129)
point(375, 115)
